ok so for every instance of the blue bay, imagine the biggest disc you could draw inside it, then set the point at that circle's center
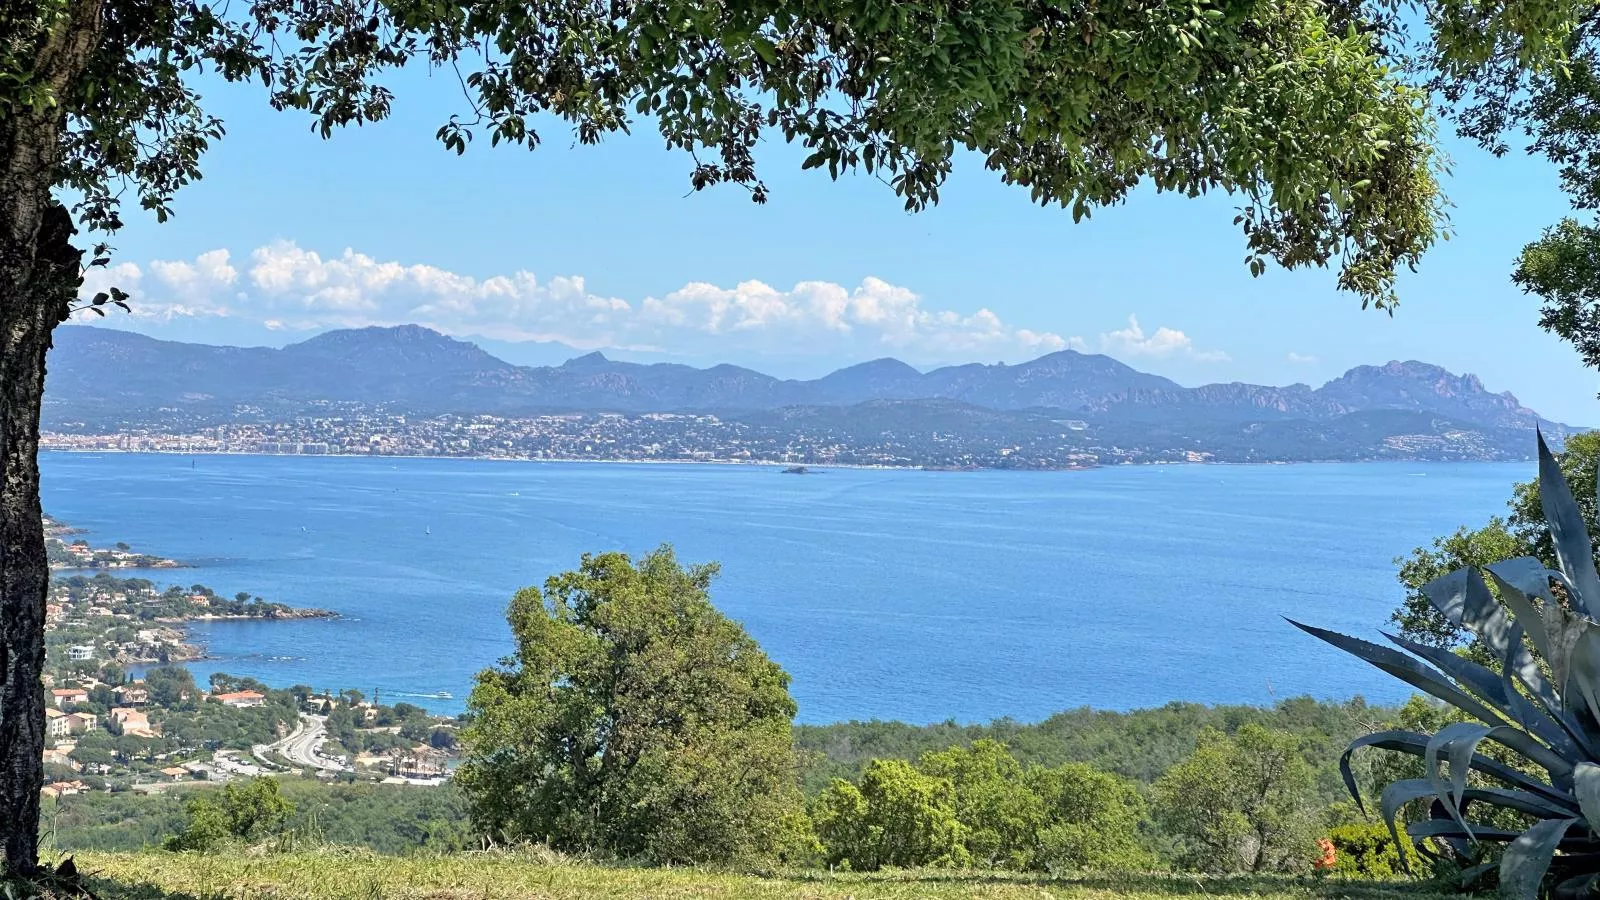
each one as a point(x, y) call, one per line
point(919, 596)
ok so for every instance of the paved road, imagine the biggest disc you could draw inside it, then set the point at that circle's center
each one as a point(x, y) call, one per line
point(302, 744)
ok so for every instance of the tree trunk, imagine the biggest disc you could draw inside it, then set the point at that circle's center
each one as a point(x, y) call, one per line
point(40, 290)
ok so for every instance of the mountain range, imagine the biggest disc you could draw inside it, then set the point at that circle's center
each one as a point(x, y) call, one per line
point(101, 376)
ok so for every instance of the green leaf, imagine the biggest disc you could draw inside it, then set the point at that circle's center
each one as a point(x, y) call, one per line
point(764, 49)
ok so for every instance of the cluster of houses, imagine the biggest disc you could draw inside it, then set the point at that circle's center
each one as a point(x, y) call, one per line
point(68, 717)
point(127, 717)
point(149, 643)
point(62, 720)
point(77, 554)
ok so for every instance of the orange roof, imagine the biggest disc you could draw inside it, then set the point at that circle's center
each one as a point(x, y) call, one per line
point(240, 695)
point(67, 692)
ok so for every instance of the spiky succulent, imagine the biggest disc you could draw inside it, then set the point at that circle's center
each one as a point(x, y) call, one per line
point(1543, 705)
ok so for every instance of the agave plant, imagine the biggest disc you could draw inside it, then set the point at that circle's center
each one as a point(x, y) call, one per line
point(1543, 705)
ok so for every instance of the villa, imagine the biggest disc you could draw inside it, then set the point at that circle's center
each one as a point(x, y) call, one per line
point(133, 696)
point(65, 697)
point(78, 723)
point(241, 699)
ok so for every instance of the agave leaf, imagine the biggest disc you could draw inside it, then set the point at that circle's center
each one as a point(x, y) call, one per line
point(1395, 796)
point(1586, 784)
point(1406, 669)
point(1430, 680)
point(1463, 598)
point(1446, 828)
point(1516, 595)
point(1567, 531)
point(1415, 744)
point(1577, 886)
point(1496, 689)
point(1460, 742)
point(1521, 801)
point(1398, 793)
point(1576, 744)
point(1573, 652)
point(1471, 874)
point(1527, 858)
point(1528, 574)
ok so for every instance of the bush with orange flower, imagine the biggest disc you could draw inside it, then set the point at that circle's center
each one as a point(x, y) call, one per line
point(1327, 856)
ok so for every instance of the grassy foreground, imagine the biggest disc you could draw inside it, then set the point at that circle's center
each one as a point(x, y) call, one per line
point(358, 875)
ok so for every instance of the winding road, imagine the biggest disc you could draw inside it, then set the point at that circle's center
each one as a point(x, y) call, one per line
point(302, 744)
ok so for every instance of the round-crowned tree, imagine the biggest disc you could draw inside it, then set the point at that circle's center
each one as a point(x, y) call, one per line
point(634, 720)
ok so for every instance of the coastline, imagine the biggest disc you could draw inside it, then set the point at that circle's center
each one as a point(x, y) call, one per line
point(817, 467)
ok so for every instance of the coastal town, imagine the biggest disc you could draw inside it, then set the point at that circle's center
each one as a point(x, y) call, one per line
point(122, 714)
point(645, 437)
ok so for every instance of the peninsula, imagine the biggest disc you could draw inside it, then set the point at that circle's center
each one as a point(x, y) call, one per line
point(68, 551)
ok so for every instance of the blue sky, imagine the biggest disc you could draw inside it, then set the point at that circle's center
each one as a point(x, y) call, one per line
point(289, 235)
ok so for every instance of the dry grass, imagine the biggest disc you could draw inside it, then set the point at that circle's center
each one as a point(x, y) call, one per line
point(335, 875)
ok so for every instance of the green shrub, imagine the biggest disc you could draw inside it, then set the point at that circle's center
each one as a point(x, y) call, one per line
point(1240, 804)
point(205, 827)
point(1365, 850)
point(248, 812)
point(1000, 815)
point(897, 817)
point(1093, 821)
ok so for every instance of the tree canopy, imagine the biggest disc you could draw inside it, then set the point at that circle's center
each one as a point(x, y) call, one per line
point(1239, 802)
point(1289, 105)
point(634, 719)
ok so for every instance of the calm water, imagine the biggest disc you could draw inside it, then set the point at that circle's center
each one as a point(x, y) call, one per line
point(909, 595)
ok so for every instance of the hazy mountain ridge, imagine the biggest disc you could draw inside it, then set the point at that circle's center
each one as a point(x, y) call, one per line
point(99, 372)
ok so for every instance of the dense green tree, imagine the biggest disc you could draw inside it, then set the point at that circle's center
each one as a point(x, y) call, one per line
point(205, 826)
point(255, 808)
point(1240, 803)
point(1001, 816)
point(1068, 818)
point(634, 719)
point(1093, 821)
point(250, 811)
point(897, 816)
point(1498, 100)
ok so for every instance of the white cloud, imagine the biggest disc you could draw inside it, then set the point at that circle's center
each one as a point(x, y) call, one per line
point(286, 287)
point(1164, 343)
point(1302, 359)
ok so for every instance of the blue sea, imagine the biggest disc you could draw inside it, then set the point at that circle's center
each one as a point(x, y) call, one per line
point(918, 596)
